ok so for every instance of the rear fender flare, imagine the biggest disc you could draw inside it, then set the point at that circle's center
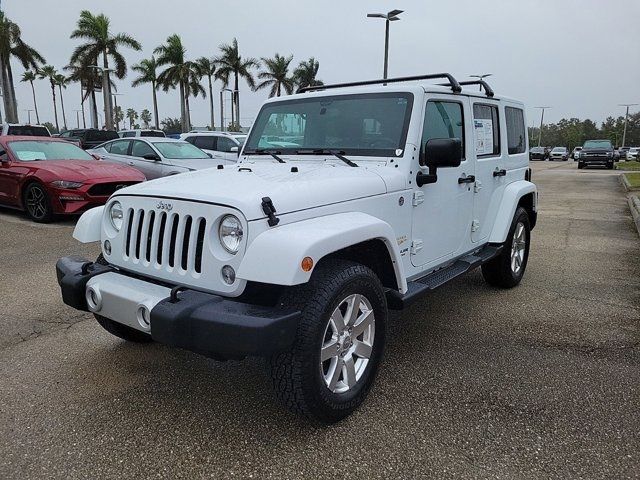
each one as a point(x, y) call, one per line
point(512, 195)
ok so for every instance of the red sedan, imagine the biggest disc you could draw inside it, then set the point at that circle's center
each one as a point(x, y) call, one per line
point(45, 177)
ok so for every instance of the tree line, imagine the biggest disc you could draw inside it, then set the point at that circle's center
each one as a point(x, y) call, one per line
point(574, 132)
point(168, 68)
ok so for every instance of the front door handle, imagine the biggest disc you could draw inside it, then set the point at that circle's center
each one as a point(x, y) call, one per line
point(467, 179)
point(499, 173)
point(131, 163)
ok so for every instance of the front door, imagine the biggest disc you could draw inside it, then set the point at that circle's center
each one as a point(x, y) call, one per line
point(9, 180)
point(149, 167)
point(224, 147)
point(442, 210)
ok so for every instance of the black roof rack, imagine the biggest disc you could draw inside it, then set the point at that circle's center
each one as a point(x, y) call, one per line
point(488, 91)
point(453, 83)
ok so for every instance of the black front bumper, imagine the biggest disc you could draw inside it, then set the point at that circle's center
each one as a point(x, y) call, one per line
point(201, 322)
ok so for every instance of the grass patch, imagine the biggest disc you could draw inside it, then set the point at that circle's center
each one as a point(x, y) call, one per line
point(633, 179)
point(628, 166)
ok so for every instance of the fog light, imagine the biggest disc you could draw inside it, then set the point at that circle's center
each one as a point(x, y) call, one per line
point(107, 247)
point(228, 274)
point(144, 317)
point(94, 300)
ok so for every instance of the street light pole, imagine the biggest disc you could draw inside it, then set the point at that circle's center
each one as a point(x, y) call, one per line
point(78, 118)
point(29, 115)
point(481, 77)
point(391, 16)
point(626, 118)
point(115, 102)
point(541, 120)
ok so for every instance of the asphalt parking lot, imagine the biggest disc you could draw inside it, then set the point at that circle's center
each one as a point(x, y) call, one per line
point(537, 382)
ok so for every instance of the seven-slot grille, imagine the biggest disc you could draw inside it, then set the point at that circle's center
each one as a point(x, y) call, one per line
point(165, 239)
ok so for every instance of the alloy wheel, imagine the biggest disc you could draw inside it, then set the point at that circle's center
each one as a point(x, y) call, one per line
point(518, 247)
point(36, 200)
point(347, 343)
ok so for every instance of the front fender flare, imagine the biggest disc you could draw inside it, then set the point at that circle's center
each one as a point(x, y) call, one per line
point(512, 195)
point(89, 226)
point(274, 256)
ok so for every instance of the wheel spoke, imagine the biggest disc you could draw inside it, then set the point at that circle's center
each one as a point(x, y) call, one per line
point(335, 374)
point(329, 350)
point(366, 319)
point(362, 349)
point(349, 371)
point(338, 320)
point(353, 308)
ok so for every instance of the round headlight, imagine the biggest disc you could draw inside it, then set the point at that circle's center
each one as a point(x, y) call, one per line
point(116, 215)
point(230, 233)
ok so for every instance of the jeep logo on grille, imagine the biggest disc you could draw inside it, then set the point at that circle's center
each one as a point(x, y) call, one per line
point(164, 206)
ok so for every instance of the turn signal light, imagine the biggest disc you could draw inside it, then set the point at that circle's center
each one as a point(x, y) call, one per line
point(307, 264)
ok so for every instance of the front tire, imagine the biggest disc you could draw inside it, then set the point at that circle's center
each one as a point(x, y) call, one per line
point(37, 203)
point(329, 370)
point(507, 269)
point(580, 165)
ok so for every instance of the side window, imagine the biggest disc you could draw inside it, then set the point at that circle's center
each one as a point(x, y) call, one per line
point(515, 130)
point(106, 146)
point(208, 142)
point(140, 149)
point(443, 120)
point(3, 155)
point(225, 144)
point(487, 130)
point(120, 147)
point(128, 134)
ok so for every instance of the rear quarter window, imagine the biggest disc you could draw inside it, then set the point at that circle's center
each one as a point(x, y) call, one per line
point(516, 133)
point(28, 131)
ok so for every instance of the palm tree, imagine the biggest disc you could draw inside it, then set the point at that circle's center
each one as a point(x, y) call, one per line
point(132, 116)
point(207, 69)
point(305, 74)
point(192, 87)
point(145, 116)
point(80, 71)
point(276, 75)
point(49, 71)
point(172, 55)
point(147, 70)
point(12, 45)
point(62, 82)
point(229, 64)
point(100, 42)
point(30, 76)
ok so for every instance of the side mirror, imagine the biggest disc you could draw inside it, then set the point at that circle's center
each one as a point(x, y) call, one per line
point(209, 155)
point(96, 156)
point(151, 156)
point(234, 150)
point(439, 153)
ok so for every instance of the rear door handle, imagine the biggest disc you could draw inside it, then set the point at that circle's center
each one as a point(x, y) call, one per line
point(499, 173)
point(131, 163)
point(467, 179)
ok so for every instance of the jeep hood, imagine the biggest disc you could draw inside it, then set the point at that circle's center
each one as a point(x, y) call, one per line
point(243, 186)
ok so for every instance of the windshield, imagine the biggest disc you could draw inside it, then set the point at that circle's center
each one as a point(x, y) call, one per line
point(42, 150)
point(240, 139)
point(180, 151)
point(365, 124)
point(597, 144)
point(537, 149)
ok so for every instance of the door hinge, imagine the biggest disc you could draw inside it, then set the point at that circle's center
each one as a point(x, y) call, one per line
point(477, 187)
point(475, 225)
point(418, 198)
point(416, 246)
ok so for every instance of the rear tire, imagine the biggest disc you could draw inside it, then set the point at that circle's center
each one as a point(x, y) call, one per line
point(313, 379)
point(119, 330)
point(507, 269)
point(580, 165)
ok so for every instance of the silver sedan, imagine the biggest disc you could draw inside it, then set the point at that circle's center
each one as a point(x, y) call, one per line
point(155, 157)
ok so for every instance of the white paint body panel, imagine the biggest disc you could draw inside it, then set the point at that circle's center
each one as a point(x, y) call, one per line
point(512, 194)
point(89, 225)
point(275, 255)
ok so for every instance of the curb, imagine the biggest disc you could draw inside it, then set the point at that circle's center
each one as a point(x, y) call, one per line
point(625, 183)
point(634, 205)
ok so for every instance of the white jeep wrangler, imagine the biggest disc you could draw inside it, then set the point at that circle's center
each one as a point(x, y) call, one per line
point(348, 200)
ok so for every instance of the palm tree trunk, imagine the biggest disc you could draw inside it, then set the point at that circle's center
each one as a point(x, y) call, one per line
point(35, 103)
point(14, 101)
point(93, 107)
point(64, 116)
point(237, 98)
point(155, 105)
point(55, 108)
point(213, 123)
point(188, 112)
point(82, 98)
point(182, 115)
point(6, 94)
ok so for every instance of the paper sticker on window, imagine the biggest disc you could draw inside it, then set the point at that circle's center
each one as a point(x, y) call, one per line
point(484, 136)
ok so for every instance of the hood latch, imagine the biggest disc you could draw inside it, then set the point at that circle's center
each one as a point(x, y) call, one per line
point(270, 211)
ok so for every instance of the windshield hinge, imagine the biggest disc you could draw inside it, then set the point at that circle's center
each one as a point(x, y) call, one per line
point(418, 198)
point(270, 211)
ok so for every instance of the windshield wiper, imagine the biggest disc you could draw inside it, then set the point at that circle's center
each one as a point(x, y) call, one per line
point(321, 151)
point(264, 151)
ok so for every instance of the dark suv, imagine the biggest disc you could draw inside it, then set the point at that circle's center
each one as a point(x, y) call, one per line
point(596, 152)
point(89, 137)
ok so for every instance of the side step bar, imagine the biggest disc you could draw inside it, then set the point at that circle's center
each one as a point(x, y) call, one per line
point(433, 280)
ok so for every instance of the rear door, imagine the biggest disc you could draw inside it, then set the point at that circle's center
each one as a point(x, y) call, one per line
point(490, 165)
point(118, 151)
point(208, 143)
point(224, 148)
